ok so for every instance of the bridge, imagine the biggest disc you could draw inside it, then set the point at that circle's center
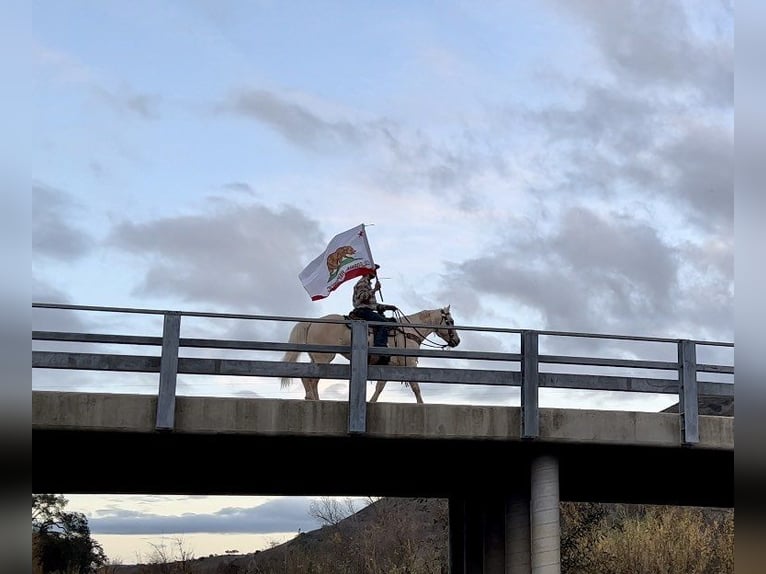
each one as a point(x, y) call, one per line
point(503, 467)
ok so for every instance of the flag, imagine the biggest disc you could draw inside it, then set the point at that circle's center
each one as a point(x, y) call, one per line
point(347, 256)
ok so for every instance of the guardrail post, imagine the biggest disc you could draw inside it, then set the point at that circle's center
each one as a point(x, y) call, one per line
point(530, 378)
point(166, 399)
point(357, 392)
point(688, 400)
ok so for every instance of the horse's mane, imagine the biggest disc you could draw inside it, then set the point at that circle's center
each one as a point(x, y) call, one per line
point(423, 316)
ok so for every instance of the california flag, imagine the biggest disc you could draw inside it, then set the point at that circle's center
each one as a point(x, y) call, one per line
point(347, 256)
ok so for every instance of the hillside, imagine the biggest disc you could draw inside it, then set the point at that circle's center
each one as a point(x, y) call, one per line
point(714, 406)
point(392, 533)
point(410, 535)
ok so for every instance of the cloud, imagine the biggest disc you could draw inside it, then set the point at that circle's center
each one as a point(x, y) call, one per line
point(658, 44)
point(620, 247)
point(54, 319)
point(296, 123)
point(145, 106)
point(279, 515)
point(402, 160)
point(55, 234)
point(617, 144)
point(701, 167)
point(600, 274)
point(241, 256)
point(658, 127)
point(457, 166)
point(240, 187)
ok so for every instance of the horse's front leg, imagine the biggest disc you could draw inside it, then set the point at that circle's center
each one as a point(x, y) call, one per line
point(416, 389)
point(378, 389)
point(311, 387)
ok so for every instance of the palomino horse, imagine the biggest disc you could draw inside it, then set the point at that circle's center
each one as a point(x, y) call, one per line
point(438, 321)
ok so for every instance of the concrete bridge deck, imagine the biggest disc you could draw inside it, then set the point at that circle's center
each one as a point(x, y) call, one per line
point(504, 469)
point(296, 447)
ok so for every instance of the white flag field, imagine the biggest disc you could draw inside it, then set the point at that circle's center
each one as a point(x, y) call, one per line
point(347, 256)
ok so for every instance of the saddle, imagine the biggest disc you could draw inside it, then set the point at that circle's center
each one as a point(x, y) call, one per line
point(373, 359)
point(354, 317)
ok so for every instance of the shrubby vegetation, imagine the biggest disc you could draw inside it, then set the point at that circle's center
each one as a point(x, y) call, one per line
point(410, 536)
point(398, 536)
point(663, 540)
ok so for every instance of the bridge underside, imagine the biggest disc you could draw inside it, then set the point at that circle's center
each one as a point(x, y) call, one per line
point(72, 461)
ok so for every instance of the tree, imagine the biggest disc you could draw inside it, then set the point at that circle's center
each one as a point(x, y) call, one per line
point(330, 511)
point(169, 561)
point(61, 540)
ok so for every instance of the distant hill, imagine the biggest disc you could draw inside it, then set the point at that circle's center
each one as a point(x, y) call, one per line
point(392, 531)
point(398, 535)
point(714, 406)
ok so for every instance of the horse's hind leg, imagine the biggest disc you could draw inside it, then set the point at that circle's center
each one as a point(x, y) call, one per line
point(378, 389)
point(312, 388)
point(382, 384)
point(416, 389)
point(311, 384)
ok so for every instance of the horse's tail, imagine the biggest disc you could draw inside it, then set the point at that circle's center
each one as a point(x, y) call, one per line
point(299, 334)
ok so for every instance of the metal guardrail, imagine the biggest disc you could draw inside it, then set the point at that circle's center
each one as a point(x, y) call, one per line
point(529, 377)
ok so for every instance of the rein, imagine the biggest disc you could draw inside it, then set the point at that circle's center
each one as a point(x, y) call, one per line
point(423, 340)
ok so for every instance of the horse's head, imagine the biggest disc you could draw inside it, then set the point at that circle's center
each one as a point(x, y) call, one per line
point(446, 329)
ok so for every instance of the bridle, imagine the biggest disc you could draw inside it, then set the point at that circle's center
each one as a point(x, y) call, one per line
point(420, 338)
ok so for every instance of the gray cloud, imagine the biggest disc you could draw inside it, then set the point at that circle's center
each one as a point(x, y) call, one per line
point(701, 163)
point(239, 186)
point(279, 515)
point(411, 160)
point(659, 127)
point(619, 144)
point(44, 291)
point(54, 231)
point(242, 256)
point(590, 273)
point(54, 319)
point(294, 122)
point(654, 43)
point(622, 120)
point(592, 245)
point(145, 106)
point(707, 297)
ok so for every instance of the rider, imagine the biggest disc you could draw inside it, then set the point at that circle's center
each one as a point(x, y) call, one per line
point(366, 307)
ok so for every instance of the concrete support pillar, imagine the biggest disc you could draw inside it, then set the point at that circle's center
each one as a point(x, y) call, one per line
point(517, 544)
point(545, 525)
point(517, 532)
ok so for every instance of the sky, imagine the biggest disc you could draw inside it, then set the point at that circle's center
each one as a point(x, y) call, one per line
point(560, 165)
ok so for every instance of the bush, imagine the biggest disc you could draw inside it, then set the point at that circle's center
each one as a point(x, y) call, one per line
point(665, 540)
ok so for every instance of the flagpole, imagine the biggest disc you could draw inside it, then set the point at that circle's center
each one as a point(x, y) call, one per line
point(372, 260)
point(367, 244)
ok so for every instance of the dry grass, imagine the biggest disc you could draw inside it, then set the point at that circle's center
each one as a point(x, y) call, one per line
point(669, 540)
point(398, 536)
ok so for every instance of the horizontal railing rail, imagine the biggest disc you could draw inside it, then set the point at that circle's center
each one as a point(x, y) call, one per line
point(523, 368)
